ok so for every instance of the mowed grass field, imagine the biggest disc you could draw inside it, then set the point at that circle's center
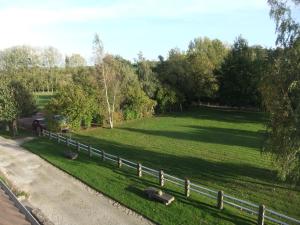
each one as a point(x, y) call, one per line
point(42, 98)
point(217, 148)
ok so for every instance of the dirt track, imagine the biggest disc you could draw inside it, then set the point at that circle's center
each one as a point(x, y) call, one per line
point(63, 199)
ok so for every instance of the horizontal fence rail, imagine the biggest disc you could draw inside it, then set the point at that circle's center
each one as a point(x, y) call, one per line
point(254, 209)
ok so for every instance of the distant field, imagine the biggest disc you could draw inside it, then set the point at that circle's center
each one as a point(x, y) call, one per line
point(217, 148)
point(42, 98)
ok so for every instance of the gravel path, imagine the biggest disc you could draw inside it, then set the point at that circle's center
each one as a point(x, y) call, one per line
point(61, 198)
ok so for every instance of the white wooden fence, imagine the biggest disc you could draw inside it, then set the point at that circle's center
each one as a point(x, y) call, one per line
point(260, 211)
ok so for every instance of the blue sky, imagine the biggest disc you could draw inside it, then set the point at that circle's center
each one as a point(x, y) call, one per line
point(129, 26)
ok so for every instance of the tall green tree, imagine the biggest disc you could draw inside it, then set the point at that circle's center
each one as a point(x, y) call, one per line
point(147, 76)
point(240, 74)
point(8, 107)
point(205, 56)
point(75, 60)
point(15, 101)
point(281, 93)
point(191, 74)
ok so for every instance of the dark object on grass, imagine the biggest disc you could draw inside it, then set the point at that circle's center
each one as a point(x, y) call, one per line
point(154, 193)
point(70, 155)
point(38, 125)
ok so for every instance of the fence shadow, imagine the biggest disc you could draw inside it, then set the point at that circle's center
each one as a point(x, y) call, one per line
point(137, 184)
point(230, 175)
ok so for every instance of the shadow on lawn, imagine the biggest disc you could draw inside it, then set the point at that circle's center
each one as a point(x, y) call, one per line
point(138, 183)
point(206, 208)
point(215, 135)
point(231, 176)
point(227, 176)
point(220, 115)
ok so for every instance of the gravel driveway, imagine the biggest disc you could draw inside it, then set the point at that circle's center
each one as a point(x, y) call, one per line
point(62, 198)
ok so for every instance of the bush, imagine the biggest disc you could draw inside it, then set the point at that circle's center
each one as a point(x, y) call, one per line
point(98, 119)
point(87, 121)
point(137, 104)
point(129, 114)
point(75, 104)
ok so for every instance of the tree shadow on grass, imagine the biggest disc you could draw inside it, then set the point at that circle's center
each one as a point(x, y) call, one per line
point(139, 183)
point(220, 115)
point(228, 176)
point(204, 207)
point(196, 168)
point(214, 135)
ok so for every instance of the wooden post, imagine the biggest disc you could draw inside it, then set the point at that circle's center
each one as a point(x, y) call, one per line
point(139, 170)
point(49, 135)
point(78, 146)
point(58, 140)
point(119, 162)
point(161, 178)
point(103, 155)
point(90, 151)
point(220, 199)
point(187, 187)
point(261, 215)
point(68, 142)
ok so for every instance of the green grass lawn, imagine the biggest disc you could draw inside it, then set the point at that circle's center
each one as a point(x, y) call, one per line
point(42, 98)
point(8, 134)
point(219, 149)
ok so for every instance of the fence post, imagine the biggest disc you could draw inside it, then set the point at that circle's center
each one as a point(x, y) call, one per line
point(103, 155)
point(68, 142)
point(49, 135)
point(58, 140)
point(139, 170)
point(220, 199)
point(261, 215)
point(90, 151)
point(187, 185)
point(78, 146)
point(161, 178)
point(119, 162)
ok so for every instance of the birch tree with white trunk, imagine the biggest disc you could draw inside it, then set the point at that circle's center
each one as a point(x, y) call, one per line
point(110, 75)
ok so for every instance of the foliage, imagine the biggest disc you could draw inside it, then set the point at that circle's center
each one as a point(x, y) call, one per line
point(75, 60)
point(205, 56)
point(281, 94)
point(8, 107)
point(72, 102)
point(168, 100)
point(240, 74)
point(24, 99)
point(15, 101)
point(288, 30)
point(147, 76)
point(191, 74)
point(137, 104)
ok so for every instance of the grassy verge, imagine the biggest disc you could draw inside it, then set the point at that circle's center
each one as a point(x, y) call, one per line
point(8, 135)
point(124, 186)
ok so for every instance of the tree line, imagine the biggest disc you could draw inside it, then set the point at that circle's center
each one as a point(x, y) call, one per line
point(114, 89)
